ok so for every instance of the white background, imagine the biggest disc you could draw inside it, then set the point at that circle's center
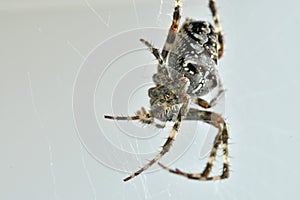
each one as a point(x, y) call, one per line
point(42, 51)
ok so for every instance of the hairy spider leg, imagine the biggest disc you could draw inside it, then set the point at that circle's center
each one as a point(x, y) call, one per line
point(162, 70)
point(217, 121)
point(167, 145)
point(172, 31)
point(222, 137)
point(218, 29)
point(153, 50)
point(142, 115)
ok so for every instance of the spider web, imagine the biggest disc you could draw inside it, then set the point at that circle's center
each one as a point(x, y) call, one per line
point(45, 154)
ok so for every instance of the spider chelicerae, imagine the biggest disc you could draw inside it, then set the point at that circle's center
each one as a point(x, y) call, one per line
point(187, 70)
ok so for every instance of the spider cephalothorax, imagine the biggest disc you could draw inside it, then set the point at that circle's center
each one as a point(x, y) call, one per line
point(186, 71)
point(166, 100)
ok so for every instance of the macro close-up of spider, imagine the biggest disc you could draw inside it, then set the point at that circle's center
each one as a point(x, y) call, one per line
point(187, 70)
point(125, 100)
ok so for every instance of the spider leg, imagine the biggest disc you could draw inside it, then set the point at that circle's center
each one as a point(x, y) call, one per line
point(222, 137)
point(205, 104)
point(172, 31)
point(216, 19)
point(142, 115)
point(153, 50)
point(167, 145)
point(162, 74)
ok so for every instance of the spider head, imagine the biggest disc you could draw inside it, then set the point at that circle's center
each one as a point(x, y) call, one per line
point(166, 100)
point(162, 96)
point(164, 103)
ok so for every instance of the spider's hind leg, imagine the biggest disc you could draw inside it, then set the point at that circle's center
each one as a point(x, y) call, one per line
point(221, 138)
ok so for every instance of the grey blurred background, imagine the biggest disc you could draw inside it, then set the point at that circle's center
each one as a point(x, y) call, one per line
point(48, 50)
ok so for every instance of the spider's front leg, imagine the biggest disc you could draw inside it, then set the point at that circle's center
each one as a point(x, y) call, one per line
point(141, 115)
point(222, 137)
point(167, 145)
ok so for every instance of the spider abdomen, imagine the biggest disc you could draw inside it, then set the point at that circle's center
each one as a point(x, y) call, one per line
point(194, 55)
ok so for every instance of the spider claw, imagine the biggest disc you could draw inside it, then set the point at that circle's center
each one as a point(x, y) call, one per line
point(127, 178)
point(108, 117)
point(161, 165)
point(145, 42)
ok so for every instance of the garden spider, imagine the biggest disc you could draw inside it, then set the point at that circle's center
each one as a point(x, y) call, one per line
point(187, 70)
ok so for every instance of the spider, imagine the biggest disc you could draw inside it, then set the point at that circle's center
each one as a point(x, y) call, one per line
point(187, 70)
